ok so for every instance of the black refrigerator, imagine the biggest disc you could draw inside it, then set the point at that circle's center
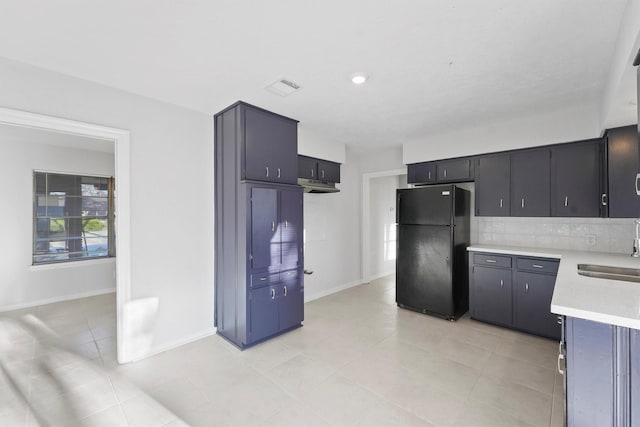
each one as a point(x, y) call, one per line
point(433, 234)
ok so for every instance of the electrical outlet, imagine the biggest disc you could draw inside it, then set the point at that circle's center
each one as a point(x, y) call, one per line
point(591, 239)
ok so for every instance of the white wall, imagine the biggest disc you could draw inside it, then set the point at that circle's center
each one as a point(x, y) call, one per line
point(550, 127)
point(312, 145)
point(171, 189)
point(20, 284)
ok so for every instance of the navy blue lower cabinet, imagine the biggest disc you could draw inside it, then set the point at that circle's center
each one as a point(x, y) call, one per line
point(291, 301)
point(532, 295)
point(263, 312)
point(590, 373)
point(491, 295)
point(634, 368)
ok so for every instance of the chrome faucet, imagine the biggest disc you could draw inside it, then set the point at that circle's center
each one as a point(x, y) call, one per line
point(636, 240)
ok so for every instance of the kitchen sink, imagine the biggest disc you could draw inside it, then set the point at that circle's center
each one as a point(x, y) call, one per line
point(613, 273)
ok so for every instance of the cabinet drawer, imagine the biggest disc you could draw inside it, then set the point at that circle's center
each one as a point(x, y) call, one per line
point(289, 275)
point(492, 260)
point(262, 279)
point(537, 265)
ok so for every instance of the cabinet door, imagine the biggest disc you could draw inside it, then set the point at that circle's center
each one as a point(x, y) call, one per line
point(271, 147)
point(265, 232)
point(264, 312)
point(532, 304)
point(454, 170)
point(591, 373)
point(291, 299)
point(493, 182)
point(491, 295)
point(328, 171)
point(575, 180)
point(634, 357)
point(421, 173)
point(291, 227)
point(622, 149)
point(530, 183)
point(307, 167)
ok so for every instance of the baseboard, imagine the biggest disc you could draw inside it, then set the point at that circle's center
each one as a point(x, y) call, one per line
point(330, 291)
point(56, 299)
point(178, 343)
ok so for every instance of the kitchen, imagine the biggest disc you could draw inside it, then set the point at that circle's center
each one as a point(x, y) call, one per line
point(333, 243)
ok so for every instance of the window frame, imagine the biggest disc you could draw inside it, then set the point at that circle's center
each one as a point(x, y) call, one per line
point(109, 218)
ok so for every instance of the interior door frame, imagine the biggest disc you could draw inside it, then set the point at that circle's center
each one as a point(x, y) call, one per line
point(121, 139)
point(365, 266)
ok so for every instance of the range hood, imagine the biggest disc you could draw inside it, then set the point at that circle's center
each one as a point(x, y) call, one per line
point(313, 186)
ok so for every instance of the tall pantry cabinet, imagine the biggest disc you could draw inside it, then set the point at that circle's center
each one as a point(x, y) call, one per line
point(258, 225)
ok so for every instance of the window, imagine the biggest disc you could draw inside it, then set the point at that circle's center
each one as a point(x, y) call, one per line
point(72, 217)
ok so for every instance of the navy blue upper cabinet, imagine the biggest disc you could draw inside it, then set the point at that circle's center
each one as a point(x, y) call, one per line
point(421, 173)
point(576, 177)
point(270, 146)
point(318, 169)
point(493, 184)
point(454, 170)
point(530, 183)
point(622, 150)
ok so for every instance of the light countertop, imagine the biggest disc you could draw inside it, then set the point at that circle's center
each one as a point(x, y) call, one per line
point(608, 301)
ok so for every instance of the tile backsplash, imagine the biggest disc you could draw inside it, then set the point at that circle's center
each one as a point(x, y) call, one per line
point(583, 234)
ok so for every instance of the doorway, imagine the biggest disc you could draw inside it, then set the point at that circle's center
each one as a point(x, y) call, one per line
point(95, 135)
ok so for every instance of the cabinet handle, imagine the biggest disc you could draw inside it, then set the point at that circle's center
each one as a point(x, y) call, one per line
point(273, 294)
point(445, 173)
point(536, 266)
point(603, 199)
point(637, 188)
point(323, 173)
point(522, 202)
point(526, 287)
point(262, 279)
point(500, 202)
point(267, 169)
point(278, 172)
point(286, 224)
point(273, 226)
point(429, 175)
point(501, 283)
point(311, 173)
point(560, 359)
point(491, 260)
point(566, 200)
point(285, 291)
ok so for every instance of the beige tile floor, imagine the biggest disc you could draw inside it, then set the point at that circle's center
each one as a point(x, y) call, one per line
point(358, 361)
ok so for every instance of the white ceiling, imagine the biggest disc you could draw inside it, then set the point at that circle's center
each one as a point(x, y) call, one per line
point(434, 64)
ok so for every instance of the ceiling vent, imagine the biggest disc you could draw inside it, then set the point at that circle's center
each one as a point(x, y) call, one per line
point(283, 87)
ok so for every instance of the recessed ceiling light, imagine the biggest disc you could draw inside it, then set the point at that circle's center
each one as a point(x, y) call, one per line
point(359, 78)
